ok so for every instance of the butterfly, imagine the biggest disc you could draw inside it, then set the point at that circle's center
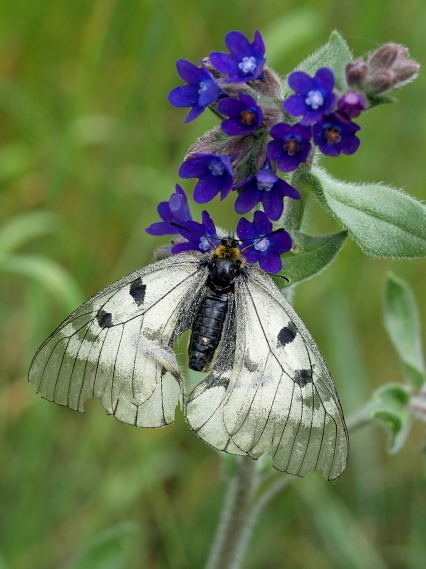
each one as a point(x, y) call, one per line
point(267, 388)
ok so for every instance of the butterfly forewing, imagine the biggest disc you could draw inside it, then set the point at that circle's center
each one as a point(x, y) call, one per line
point(278, 395)
point(117, 345)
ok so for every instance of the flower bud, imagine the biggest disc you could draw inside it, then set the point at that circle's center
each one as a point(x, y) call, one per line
point(389, 68)
point(405, 71)
point(383, 80)
point(383, 57)
point(270, 86)
point(351, 104)
point(356, 72)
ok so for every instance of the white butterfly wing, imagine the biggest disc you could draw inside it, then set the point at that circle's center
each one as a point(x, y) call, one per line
point(275, 394)
point(117, 346)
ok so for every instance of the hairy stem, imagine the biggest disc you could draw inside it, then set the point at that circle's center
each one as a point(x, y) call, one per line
point(233, 529)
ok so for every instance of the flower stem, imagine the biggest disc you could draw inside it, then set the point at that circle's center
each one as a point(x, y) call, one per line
point(232, 532)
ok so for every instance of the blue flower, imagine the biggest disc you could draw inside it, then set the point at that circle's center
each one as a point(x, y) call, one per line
point(244, 62)
point(175, 210)
point(214, 173)
point(290, 146)
point(314, 97)
point(334, 135)
point(266, 188)
point(264, 246)
point(244, 115)
point(201, 91)
point(201, 236)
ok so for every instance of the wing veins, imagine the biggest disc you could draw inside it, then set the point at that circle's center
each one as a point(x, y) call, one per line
point(134, 362)
point(113, 372)
point(327, 387)
point(279, 364)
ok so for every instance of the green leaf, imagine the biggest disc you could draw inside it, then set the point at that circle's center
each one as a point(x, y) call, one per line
point(389, 406)
point(310, 255)
point(49, 274)
point(375, 100)
point(334, 54)
point(402, 322)
point(107, 550)
point(383, 220)
point(25, 227)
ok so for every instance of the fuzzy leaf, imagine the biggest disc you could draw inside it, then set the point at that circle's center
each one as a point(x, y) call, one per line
point(402, 322)
point(334, 54)
point(310, 255)
point(375, 100)
point(384, 221)
point(389, 406)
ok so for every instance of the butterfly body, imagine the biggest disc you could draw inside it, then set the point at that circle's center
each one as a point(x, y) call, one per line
point(267, 389)
point(224, 267)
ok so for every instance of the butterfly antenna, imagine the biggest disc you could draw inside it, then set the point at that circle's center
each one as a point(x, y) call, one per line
point(258, 240)
point(207, 237)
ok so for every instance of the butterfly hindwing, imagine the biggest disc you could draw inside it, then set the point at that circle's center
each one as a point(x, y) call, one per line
point(275, 395)
point(117, 346)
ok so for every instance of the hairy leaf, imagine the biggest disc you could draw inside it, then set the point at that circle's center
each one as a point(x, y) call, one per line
point(310, 255)
point(384, 221)
point(389, 406)
point(402, 323)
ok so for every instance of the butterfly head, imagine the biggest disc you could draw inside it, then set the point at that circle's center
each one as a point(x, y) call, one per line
point(228, 249)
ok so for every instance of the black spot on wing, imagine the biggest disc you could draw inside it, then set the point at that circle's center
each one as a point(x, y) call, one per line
point(302, 377)
point(104, 319)
point(137, 291)
point(287, 334)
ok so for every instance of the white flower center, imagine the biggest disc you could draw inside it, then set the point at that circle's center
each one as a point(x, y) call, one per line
point(262, 245)
point(314, 99)
point(204, 85)
point(264, 186)
point(204, 245)
point(247, 65)
point(216, 168)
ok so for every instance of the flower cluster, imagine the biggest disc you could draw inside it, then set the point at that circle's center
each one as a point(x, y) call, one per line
point(261, 243)
point(263, 132)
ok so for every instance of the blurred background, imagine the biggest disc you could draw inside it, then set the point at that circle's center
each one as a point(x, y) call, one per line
point(88, 147)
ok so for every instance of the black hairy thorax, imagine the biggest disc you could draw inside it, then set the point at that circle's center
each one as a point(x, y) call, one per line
point(225, 265)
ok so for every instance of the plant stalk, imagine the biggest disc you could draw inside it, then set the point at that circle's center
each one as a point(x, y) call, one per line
point(231, 537)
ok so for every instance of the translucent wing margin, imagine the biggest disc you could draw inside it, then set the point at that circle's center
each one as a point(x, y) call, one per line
point(117, 346)
point(275, 394)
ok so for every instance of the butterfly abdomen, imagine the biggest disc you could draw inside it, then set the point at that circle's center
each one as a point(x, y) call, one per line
point(207, 330)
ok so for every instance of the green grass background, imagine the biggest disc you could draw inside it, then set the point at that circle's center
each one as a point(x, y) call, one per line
point(88, 147)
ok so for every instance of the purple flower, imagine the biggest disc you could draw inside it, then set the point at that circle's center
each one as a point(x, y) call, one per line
point(290, 146)
point(314, 97)
point(334, 135)
point(201, 236)
point(201, 91)
point(244, 62)
point(244, 115)
point(175, 210)
point(214, 172)
point(351, 105)
point(266, 188)
point(264, 245)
